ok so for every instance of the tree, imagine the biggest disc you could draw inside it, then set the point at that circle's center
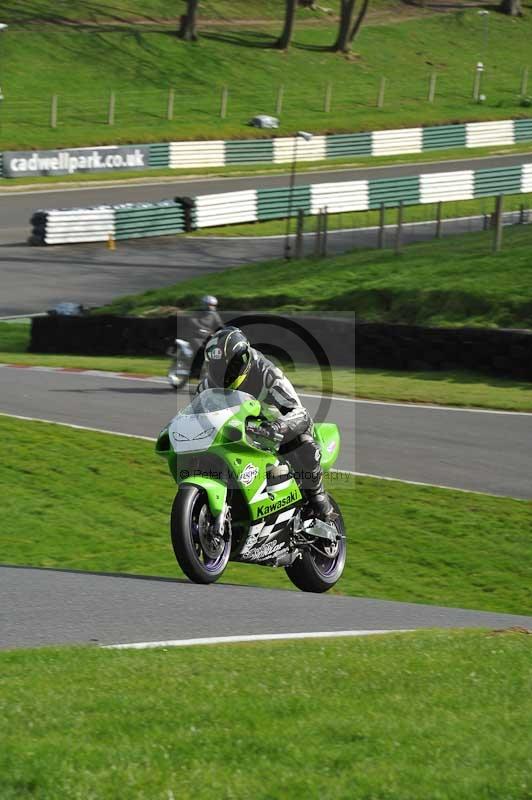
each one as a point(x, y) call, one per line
point(359, 20)
point(342, 43)
point(189, 22)
point(283, 42)
point(511, 7)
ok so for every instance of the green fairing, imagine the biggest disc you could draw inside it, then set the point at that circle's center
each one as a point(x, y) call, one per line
point(233, 447)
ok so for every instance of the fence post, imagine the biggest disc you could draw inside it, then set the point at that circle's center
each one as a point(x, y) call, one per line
point(522, 214)
point(328, 95)
point(476, 84)
point(497, 238)
point(279, 104)
point(432, 87)
point(223, 105)
point(170, 107)
point(325, 230)
point(53, 112)
point(382, 89)
point(399, 229)
point(524, 81)
point(299, 232)
point(438, 219)
point(111, 114)
point(382, 217)
point(317, 241)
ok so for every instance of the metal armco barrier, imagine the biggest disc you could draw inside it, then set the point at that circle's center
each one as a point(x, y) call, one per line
point(184, 214)
point(279, 150)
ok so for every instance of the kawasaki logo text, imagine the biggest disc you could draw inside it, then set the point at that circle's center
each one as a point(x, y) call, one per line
point(264, 510)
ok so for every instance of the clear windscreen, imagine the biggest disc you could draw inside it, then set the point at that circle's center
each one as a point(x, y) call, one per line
point(215, 400)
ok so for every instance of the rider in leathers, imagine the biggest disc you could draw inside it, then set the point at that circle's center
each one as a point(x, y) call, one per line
point(231, 363)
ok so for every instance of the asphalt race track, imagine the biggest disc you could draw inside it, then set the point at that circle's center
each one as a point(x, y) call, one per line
point(46, 607)
point(33, 279)
point(474, 450)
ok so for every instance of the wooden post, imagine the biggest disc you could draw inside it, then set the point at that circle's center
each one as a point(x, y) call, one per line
point(497, 238)
point(382, 219)
point(328, 96)
point(280, 98)
point(170, 106)
point(439, 219)
point(432, 87)
point(317, 242)
point(111, 245)
point(223, 106)
point(382, 89)
point(53, 112)
point(112, 103)
point(524, 81)
point(299, 232)
point(325, 229)
point(399, 229)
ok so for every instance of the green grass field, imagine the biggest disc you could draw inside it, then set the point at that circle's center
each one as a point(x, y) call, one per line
point(140, 63)
point(101, 503)
point(426, 285)
point(439, 715)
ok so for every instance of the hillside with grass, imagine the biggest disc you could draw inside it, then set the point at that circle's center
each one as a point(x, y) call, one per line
point(427, 284)
point(82, 52)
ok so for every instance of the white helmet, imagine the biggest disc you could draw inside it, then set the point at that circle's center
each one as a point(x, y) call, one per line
point(209, 301)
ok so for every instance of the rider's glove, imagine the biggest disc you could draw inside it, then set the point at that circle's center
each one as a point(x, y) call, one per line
point(276, 431)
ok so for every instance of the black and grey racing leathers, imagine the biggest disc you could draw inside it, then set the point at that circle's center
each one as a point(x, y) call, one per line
point(280, 400)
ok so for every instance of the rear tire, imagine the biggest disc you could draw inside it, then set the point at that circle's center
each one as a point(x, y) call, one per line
point(318, 572)
point(202, 557)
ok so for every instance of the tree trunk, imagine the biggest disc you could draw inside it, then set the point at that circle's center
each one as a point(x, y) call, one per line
point(342, 43)
point(283, 42)
point(189, 22)
point(511, 7)
point(359, 20)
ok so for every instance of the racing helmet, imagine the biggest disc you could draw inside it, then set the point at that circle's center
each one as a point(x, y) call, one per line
point(228, 358)
point(209, 302)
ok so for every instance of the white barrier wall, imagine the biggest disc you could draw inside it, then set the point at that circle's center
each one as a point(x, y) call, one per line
point(526, 178)
point(406, 140)
point(338, 197)
point(314, 150)
point(226, 209)
point(482, 134)
point(197, 154)
point(443, 186)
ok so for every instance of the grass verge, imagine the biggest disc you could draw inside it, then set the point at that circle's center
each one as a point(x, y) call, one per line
point(98, 502)
point(140, 63)
point(426, 285)
point(441, 715)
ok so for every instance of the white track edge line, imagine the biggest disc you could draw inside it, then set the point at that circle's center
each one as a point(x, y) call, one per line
point(78, 427)
point(259, 637)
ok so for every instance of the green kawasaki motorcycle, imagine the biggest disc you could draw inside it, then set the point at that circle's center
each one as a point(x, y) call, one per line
point(238, 499)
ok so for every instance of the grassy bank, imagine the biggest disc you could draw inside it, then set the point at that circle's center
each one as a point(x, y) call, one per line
point(427, 715)
point(140, 63)
point(98, 502)
point(426, 285)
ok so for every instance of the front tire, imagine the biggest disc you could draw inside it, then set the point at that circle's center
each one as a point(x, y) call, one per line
point(319, 569)
point(202, 556)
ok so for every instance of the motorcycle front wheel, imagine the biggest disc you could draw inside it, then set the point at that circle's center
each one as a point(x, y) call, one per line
point(320, 567)
point(201, 554)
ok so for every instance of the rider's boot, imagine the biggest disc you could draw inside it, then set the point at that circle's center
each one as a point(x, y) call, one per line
point(319, 501)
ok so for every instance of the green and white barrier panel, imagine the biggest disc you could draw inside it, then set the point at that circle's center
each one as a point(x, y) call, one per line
point(219, 153)
point(259, 205)
point(136, 220)
point(104, 223)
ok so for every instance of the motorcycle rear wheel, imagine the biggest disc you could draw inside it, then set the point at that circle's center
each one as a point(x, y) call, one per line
point(202, 556)
point(321, 567)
